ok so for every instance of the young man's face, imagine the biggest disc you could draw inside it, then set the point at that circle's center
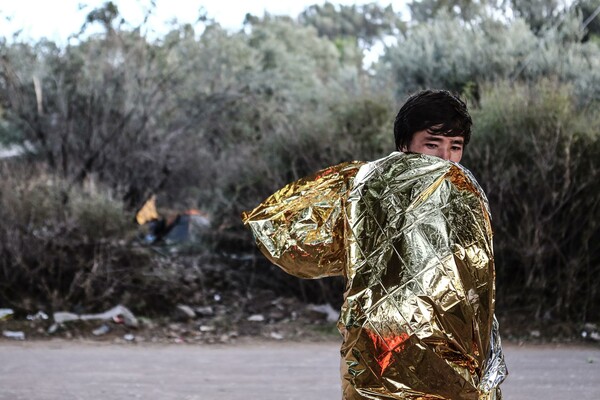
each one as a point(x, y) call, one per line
point(446, 147)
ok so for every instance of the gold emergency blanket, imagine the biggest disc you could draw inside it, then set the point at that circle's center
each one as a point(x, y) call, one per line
point(412, 235)
point(301, 226)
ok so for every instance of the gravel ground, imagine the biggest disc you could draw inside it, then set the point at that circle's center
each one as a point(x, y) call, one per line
point(64, 370)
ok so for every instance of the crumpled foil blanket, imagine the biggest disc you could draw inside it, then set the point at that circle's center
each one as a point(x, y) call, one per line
point(412, 235)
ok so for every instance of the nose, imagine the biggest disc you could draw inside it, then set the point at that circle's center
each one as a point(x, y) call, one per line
point(444, 153)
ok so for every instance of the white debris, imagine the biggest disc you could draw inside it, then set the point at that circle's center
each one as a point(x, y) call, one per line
point(206, 328)
point(330, 312)
point(590, 331)
point(15, 150)
point(256, 318)
point(40, 315)
point(53, 328)
point(6, 313)
point(186, 311)
point(63, 316)
point(205, 311)
point(16, 335)
point(101, 330)
point(119, 311)
point(276, 336)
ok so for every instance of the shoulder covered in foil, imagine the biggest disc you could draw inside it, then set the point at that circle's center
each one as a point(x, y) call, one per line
point(300, 227)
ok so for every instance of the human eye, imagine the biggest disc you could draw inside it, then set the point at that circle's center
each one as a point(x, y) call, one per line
point(431, 145)
point(456, 148)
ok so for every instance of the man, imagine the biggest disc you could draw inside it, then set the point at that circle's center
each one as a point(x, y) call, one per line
point(436, 123)
point(411, 233)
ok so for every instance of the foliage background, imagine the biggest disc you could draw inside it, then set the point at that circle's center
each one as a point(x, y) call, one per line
point(216, 120)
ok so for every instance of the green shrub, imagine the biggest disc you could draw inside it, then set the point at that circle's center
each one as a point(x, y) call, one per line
point(537, 155)
point(63, 246)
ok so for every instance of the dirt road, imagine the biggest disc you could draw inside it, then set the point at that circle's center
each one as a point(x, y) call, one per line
point(258, 371)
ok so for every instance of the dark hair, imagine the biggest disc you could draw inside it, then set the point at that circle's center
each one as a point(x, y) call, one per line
point(428, 109)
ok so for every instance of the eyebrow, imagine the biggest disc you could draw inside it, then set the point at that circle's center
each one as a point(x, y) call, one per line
point(437, 138)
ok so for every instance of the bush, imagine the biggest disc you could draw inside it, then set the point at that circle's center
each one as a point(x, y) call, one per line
point(537, 155)
point(446, 53)
point(72, 247)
